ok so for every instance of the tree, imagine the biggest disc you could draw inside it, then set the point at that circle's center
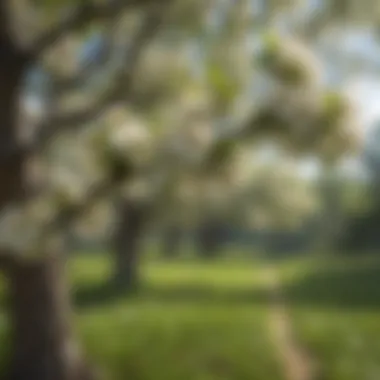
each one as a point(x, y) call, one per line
point(43, 345)
point(361, 223)
point(294, 112)
point(297, 86)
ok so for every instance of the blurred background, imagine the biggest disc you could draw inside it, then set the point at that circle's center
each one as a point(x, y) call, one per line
point(190, 190)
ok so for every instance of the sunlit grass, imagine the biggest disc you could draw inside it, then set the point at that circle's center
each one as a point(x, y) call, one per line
point(190, 321)
point(207, 320)
point(149, 341)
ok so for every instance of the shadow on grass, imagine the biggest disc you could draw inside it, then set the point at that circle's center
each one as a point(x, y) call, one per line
point(339, 288)
point(353, 288)
point(192, 293)
point(98, 294)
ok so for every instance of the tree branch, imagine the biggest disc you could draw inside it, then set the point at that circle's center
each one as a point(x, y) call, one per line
point(82, 15)
point(7, 260)
point(59, 224)
point(62, 85)
point(68, 215)
point(119, 90)
point(3, 20)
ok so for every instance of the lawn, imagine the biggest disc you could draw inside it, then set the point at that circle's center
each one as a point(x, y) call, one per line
point(335, 306)
point(196, 320)
point(190, 321)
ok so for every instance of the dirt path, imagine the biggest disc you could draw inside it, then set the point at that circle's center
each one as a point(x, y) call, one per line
point(297, 363)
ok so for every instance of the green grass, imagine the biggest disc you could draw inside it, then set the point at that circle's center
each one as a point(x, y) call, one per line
point(196, 320)
point(335, 305)
point(190, 321)
point(161, 342)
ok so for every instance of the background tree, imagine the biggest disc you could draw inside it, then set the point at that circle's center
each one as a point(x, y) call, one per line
point(361, 224)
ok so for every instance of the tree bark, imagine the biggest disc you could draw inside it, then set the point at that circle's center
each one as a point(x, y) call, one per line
point(43, 344)
point(12, 160)
point(171, 242)
point(210, 238)
point(331, 218)
point(39, 311)
point(127, 245)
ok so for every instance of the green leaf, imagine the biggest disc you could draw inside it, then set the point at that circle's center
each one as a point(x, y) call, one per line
point(220, 154)
point(223, 85)
point(271, 42)
point(334, 104)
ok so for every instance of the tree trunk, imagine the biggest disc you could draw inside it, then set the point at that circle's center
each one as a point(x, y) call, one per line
point(210, 239)
point(43, 346)
point(12, 160)
point(171, 242)
point(127, 245)
point(331, 219)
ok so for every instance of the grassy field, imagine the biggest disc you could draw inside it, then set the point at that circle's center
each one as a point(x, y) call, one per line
point(190, 321)
point(335, 307)
point(209, 320)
